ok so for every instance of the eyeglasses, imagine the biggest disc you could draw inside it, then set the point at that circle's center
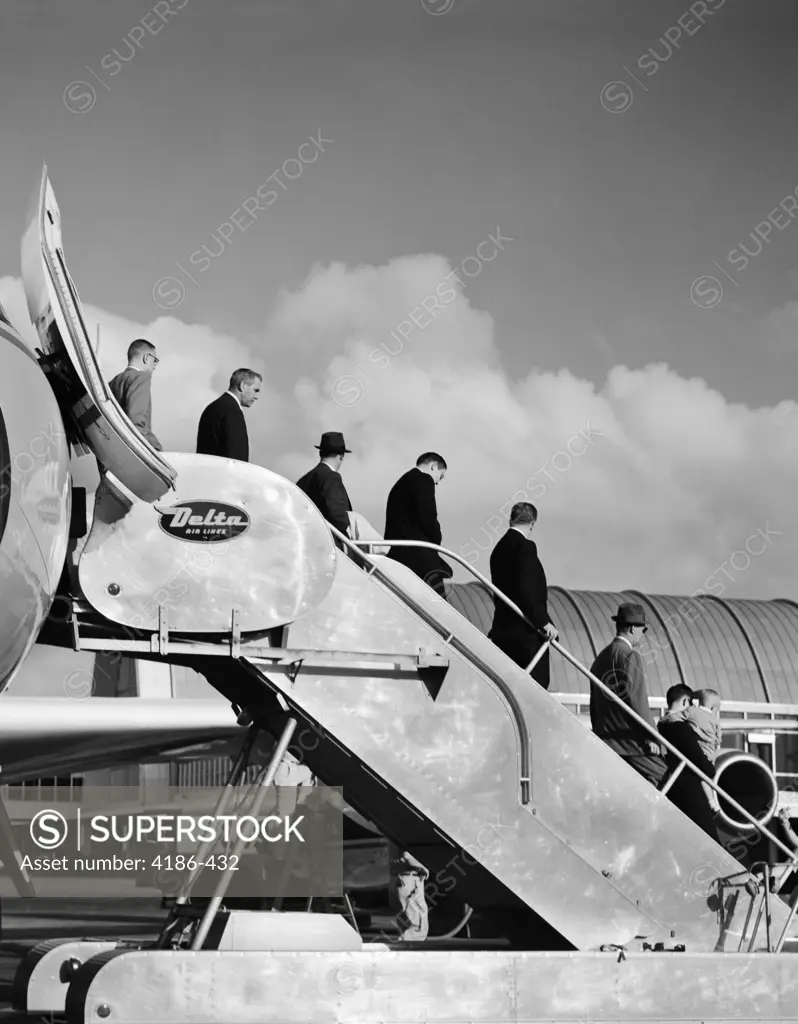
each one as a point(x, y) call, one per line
point(155, 359)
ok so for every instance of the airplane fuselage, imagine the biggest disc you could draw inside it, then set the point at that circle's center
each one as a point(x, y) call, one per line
point(34, 499)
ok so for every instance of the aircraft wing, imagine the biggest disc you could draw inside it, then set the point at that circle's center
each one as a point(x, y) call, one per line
point(45, 736)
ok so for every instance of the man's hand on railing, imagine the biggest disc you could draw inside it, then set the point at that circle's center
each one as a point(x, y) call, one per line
point(551, 631)
point(654, 747)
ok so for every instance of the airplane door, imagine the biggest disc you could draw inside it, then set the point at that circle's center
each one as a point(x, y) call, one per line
point(92, 415)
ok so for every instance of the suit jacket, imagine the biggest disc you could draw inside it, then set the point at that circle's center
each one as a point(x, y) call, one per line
point(516, 570)
point(687, 791)
point(222, 430)
point(132, 389)
point(412, 514)
point(326, 490)
point(620, 668)
point(678, 730)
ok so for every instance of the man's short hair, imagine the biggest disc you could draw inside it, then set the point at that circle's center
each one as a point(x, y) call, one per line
point(677, 692)
point(432, 459)
point(139, 347)
point(705, 696)
point(243, 376)
point(522, 513)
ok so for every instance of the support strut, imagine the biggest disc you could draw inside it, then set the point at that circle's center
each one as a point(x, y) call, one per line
point(224, 882)
point(227, 794)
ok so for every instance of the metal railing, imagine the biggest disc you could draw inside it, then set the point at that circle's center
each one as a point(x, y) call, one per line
point(684, 762)
point(449, 638)
point(770, 876)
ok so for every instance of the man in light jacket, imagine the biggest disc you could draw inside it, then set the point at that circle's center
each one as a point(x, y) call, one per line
point(132, 388)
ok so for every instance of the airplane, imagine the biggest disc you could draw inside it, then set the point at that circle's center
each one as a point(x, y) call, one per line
point(439, 737)
point(46, 736)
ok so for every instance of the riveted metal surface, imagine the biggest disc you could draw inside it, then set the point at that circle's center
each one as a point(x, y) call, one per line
point(40, 972)
point(447, 987)
point(34, 488)
point(279, 568)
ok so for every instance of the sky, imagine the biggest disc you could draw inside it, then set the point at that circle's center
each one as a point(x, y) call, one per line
point(553, 241)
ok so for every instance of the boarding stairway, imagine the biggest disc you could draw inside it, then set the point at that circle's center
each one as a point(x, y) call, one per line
point(520, 792)
point(437, 737)
point(456, 754)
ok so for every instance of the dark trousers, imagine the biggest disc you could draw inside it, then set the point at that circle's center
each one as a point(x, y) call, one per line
point(688, 794)
point(522, 649)
point(651, 766)
point(437, 580)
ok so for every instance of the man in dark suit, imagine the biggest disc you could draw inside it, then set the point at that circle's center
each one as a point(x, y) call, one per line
point(620, 667)
point(222, 428)
point(132, 388)
point(687, 790)
point(412, 514)
point(324, 486)
point(516, 570)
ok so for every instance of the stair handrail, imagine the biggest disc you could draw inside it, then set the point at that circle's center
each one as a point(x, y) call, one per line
point(507, 692)
point(98, 390)
point(685, 762)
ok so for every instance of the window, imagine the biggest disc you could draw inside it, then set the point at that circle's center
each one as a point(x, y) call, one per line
point(734, 740)
point(60, 788)
point(764, 751)
point(787, 752)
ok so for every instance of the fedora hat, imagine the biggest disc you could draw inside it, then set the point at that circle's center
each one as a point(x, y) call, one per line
point(332, 443)
point(630, 615)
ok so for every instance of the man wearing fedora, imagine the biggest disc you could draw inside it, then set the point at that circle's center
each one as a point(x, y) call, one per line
point(620, 667)
point(324, 486)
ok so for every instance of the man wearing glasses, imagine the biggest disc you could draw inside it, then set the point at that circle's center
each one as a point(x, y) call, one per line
point(131, 388)
point(620, 667)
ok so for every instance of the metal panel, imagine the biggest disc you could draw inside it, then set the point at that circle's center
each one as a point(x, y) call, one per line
point(48, 737)
point(430, 987)
point(35, 488)
point(475, 602)
point(614, 852)
point(38, 988)
point(744, 678)
point(773, 627)
point(576, 636)
point(277, 569)
point(55, 310)
point(688, 646)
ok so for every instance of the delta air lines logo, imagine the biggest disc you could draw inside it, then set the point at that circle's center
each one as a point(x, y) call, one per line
point(205, 522)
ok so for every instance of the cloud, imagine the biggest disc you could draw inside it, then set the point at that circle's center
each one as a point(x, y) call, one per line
point(650, 481)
